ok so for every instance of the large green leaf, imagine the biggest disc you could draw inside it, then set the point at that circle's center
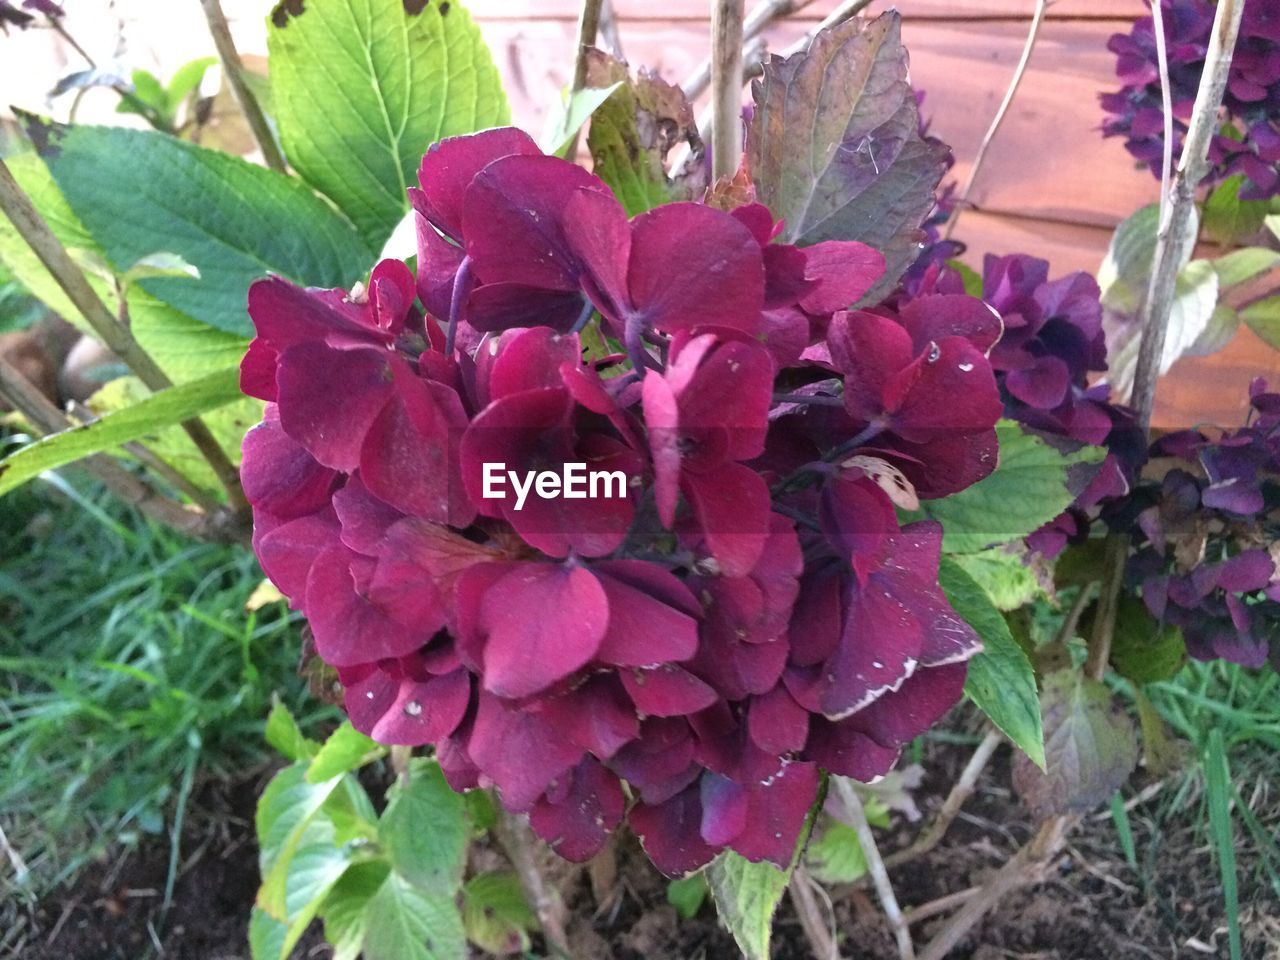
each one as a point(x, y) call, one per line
point(343, 910)
point(1031, 485)
point(747, 896)
point(1090, 747)
point(403, 923)
point(1228, 220)
point(1263, 318)
point(346, 749)
point(361, 88)
point(136, 422)
point(424, 829)
point(495, 914)
point(284, 821)
point(835, 145)
point(1001, 680)
point(140, 192)
point(184, 348)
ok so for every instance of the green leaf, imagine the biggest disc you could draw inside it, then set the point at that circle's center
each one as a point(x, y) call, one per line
point(1263, 318)
point(266, 936)
point(836, 855)
point(1241, 265)
point(343, 910)
point(1227, 219)
point(183, 347)
point(361, 88)
point(633, 131)
point(403, 923)
point(1031, 485)
point(495, 915)
point(187, 78)
point(1126, 271)
point(747, 895)
point(1142, 649)
point(345, 750)
point(1001, 680)
point(688, 894)
point(286, 810)
point(1218, 790)
point(313, 872)
point(146, 417)
point(1090, 748)
point(424, 829)
point(572, 114)
point(140, 191)
point(1007, 576)
point(972, 278)
point(160, 265)
point(835, 146)
point(283, 733)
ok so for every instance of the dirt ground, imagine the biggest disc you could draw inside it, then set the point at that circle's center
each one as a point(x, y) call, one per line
point(1092, 906)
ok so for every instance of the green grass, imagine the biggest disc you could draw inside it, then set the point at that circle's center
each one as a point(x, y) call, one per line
point(130, 673)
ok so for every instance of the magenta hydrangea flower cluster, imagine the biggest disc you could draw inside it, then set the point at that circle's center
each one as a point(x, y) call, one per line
point(1206, 560)
point(747, 609)
point(1250, 145)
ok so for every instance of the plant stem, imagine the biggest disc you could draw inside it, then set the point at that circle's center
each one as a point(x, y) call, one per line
point(761, 15)
point(1033, 34)
point(818, 929)
point(875, 866)
point(31, 226)
point(588, 30)
point(233, 68)
point(1175, 226)
point(517, 840)
point(609, 34)
point(1166, 102)
point(960, 792)
point(1104, 621)
point(726, 87)
point(48, 419)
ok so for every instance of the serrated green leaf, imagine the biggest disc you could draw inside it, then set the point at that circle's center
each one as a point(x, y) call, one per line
point(282, 733)
point(184, 348)
point(495, 915)
point(835, 146)
point(343, 910)
point(1143, 650)
point(346, 749)
point(361, 88)
point(633, 131)
point(1263, 318)
point(187, 78)
point(747, 896)
point(313, 872)
point(286, 810)
point(140, 420)
point(140, 191)
point(1090, 748)
point(688, 894)
point(1001, 680)
point(1007, 577)
point(1126, 270)
point(424, 829)
point(403, 923)
point(1227, 219)
point(1028, 488)
point(836, 856)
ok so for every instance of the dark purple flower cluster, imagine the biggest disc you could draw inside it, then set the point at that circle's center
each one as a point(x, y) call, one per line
point(744, 610)
point(1251, 144)
point(1206, 557)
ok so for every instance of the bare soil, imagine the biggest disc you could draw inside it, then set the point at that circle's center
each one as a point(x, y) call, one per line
point(1093, 906)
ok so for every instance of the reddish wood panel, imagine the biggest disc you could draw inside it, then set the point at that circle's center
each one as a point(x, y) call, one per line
point(1047, 162)
point(912, 9)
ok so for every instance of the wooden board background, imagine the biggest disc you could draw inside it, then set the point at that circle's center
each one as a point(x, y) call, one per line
point(1051, 185)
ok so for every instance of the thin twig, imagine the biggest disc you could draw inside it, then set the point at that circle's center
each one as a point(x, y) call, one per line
point(875, 866)
point(1032, 34)
point(1166, 102)
point(47, 419)
point(48, 248)
point(516, 838)
point(819, 928)
point(1025, 867)
point(1175, 230)
point(609, 34)
point(1104, 622)
point(588, 30)
point(761, 15)
point(726, 87)
point(233, 69)
point(960, 792)
point(941, 905)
